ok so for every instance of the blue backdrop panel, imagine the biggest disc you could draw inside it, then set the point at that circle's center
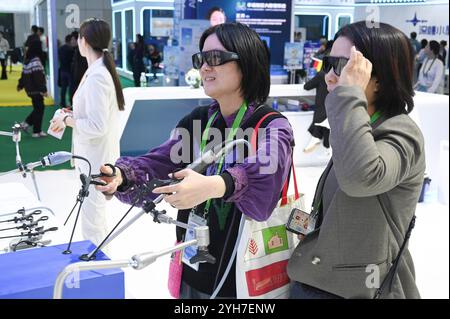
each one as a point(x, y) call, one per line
point(275, 33)
point(31, 274)
point(151, 122)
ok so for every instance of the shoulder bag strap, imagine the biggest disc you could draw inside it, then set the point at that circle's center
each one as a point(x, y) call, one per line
point(393, 270)
point(254, 143)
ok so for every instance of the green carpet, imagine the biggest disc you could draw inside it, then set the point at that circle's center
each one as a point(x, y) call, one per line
point(31, 149)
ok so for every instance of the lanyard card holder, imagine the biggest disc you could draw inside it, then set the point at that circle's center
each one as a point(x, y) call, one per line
point(191, 251)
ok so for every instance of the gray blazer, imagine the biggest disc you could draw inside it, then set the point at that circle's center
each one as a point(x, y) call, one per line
point(370, 192)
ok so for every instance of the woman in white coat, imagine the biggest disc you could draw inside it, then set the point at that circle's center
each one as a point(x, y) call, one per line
point(431, 74)
point(96, 105)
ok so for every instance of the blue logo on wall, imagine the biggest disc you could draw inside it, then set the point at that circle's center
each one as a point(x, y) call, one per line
point(415, 21)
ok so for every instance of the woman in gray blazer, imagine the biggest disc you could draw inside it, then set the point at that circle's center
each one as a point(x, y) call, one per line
point(366, 198)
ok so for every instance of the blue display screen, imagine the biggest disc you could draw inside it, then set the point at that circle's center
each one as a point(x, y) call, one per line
point(270, 19)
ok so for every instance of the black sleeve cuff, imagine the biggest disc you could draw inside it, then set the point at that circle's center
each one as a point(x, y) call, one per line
point(126, 185)
point(229, 184)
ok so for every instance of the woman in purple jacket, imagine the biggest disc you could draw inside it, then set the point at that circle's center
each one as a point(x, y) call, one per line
point(234, 66)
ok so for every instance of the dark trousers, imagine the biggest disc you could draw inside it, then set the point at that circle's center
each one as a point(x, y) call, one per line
point(302, 291)
point(35, 117)
point(44, 61)
point(65, 85)
point(155, 70)
point(320, 132)
point(137, 71)
point(3, 63)
point(136, 78)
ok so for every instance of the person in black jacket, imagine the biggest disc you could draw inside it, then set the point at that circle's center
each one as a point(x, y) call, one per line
point(154, 59)
point(130, 56)
point(33, 36)
point(34, 82)
point(79, 67)
point(65, 54)
point(138, 61)
point(319, 133)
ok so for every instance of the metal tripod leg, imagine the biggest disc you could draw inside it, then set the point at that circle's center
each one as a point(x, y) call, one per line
point(33, 177)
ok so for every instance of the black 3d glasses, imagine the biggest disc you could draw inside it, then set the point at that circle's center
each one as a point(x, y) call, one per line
point(213, 58)
point(335, 63)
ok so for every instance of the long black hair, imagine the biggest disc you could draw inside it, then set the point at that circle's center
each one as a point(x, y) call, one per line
point(391, 54)
point(97, 34)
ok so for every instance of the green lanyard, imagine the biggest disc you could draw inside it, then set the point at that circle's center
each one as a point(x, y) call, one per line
point(375, 116)
point(231, 135)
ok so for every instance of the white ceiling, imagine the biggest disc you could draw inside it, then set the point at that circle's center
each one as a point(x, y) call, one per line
point(17, 5)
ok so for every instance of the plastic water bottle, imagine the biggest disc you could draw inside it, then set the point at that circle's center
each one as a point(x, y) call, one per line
point(143, 80)
point(275, 104)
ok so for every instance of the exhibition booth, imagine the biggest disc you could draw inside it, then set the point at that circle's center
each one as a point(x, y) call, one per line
point(140, 119)
point(43, 253)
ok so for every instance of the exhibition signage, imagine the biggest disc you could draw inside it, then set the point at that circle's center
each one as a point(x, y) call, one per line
point(190, 34)
point(293, 55)
point(310, 48)
point(171, 61)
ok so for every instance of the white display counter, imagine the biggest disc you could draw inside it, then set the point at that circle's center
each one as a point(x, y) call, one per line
point(431, 114)
point(300, 121)
point(185, 92)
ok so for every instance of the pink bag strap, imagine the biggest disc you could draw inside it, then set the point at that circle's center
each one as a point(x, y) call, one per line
point(254, 141)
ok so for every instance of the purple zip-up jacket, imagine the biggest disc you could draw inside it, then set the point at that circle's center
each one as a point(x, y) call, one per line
point(255, 193)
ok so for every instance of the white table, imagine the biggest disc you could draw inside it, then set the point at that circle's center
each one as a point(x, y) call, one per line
point(14, 196)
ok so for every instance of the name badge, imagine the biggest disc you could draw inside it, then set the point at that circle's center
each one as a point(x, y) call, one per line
point(191, 251)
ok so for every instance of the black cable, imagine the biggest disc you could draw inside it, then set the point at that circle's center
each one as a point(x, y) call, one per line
point(86, 160)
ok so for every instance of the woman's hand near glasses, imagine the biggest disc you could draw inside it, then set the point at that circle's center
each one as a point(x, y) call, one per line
point(357, 71)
